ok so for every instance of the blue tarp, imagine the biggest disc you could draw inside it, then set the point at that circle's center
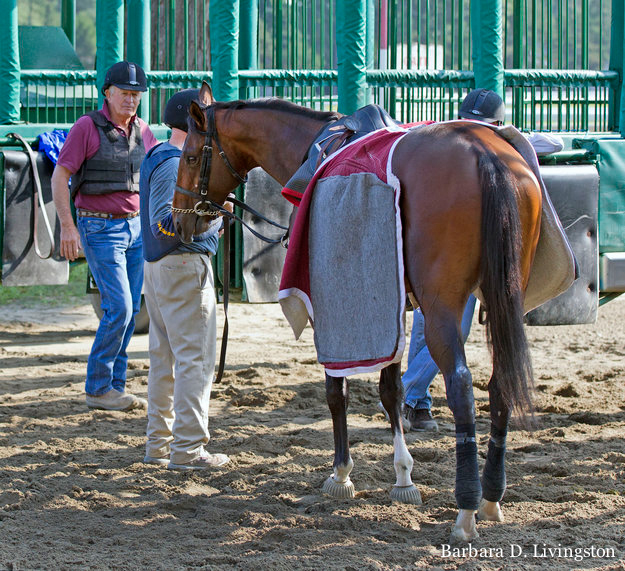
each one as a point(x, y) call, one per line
point(51, 143)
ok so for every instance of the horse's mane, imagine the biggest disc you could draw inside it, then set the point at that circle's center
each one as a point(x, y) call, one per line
point(276, 104)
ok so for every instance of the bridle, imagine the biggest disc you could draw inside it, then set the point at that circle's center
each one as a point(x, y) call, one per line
point(206, 207)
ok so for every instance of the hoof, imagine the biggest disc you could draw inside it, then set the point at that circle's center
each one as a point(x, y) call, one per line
point(459, 535)
point(339, 489)
point(464, 529)
point(489, 511)
point(406, 495)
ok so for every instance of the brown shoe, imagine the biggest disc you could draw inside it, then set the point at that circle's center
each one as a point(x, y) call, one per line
point(419, 419)
point(115, 400)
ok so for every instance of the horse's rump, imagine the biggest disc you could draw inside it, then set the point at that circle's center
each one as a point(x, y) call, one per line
point(451, 148)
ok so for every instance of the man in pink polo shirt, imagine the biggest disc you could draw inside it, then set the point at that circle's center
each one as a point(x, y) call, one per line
point(102, 155)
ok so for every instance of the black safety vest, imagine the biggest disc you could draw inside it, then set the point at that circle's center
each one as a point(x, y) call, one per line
point(116, 164)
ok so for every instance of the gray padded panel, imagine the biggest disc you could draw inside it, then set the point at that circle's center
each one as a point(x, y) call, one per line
point(20, 264)
point(262, 262)
point(574, 191)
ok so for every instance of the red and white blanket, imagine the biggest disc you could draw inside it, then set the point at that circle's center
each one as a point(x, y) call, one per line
point(344, 269)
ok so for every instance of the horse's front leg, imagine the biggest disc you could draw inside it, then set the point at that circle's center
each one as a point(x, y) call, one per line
point(494, 474)
point(337, 394)
point(391, 395)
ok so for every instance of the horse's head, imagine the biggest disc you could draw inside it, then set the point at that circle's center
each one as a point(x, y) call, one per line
point(203, 183)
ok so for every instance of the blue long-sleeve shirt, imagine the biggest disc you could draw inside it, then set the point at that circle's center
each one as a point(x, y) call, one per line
point(159, 172)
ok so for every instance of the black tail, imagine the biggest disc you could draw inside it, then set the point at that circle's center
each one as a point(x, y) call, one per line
point(501, 285)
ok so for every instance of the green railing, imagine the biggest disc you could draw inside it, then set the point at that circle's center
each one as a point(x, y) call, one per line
point(296, 34)
point(420, 95)
point(556, 53)
point(545, 100)
point(52, 96)
point(312, 88)
point(561, 100)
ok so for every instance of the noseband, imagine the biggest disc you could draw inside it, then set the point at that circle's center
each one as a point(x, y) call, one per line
point(205, 206)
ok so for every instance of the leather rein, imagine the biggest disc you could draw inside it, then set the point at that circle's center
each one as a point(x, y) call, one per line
point(207, 207)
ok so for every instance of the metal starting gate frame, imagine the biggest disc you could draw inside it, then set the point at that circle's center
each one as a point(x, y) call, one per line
point(558, 64)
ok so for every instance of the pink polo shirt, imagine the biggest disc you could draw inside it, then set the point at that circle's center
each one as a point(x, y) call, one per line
point(83, 141)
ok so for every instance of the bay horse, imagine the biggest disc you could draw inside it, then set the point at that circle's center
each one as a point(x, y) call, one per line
point(470, 211)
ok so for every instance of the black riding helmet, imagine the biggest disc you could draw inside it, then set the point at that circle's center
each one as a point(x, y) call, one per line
point(177, 108)
point(125, 75)
point(483, 105)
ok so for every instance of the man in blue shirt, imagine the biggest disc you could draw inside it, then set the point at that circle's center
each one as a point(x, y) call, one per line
point(180, 299)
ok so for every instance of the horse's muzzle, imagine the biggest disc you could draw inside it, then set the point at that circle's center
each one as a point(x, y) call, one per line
point(185, 226)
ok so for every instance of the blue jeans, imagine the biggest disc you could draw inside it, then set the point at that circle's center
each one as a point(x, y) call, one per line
point(115, 257)
point(421, 367)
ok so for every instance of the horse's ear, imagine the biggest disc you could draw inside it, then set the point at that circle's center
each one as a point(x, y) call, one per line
point(197, 115)
point(206, 94)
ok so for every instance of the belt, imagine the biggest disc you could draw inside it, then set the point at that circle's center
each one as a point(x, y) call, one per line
point(107, 215)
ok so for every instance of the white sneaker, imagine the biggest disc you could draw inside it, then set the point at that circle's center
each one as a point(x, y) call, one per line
point(157, 461)
point(116, 400)
point(203, 462)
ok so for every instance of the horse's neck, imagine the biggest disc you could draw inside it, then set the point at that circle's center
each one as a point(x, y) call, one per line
point(278, 143)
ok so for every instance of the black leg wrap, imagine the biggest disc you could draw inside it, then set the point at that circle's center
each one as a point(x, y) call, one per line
point(494, 476)
point(468, 488)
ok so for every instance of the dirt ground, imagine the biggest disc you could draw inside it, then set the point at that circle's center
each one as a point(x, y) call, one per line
point(74, 493)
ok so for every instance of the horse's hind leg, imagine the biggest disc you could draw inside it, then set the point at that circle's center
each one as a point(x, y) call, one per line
point(391, 395)
point(444, 339)
point(339, 484)
point(494, 475)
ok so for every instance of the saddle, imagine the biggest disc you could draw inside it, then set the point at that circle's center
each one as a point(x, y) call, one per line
point(331, 138)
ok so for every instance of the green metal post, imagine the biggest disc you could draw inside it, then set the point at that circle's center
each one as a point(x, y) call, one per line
point(351, 51)
point(248, 40)
point(224, 34)
point(370, 43)
point(109, 37)
point(172, 35)
point(487, 44)
point(518, 40)
point(138, 45)
point(248, 59)
point(9, 64)
point(616, 118)
point(68, 19)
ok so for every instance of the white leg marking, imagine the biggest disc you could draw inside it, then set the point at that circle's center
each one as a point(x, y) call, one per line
point(464, 529)
point(339, 484)
point(490, 511)
point(404, 490)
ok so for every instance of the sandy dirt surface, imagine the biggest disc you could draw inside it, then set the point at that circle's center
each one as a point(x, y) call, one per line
point(74, 493)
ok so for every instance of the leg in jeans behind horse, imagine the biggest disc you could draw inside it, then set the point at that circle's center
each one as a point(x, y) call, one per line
point(422, 370)
point(391, 395)
point(339, 484)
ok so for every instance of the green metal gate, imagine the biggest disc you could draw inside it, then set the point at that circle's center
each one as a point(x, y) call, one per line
point(558, 63)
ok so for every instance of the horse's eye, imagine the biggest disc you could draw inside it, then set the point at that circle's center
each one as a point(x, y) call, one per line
point(191, 159)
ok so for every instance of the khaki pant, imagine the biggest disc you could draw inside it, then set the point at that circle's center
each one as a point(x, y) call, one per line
point(180, 299)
